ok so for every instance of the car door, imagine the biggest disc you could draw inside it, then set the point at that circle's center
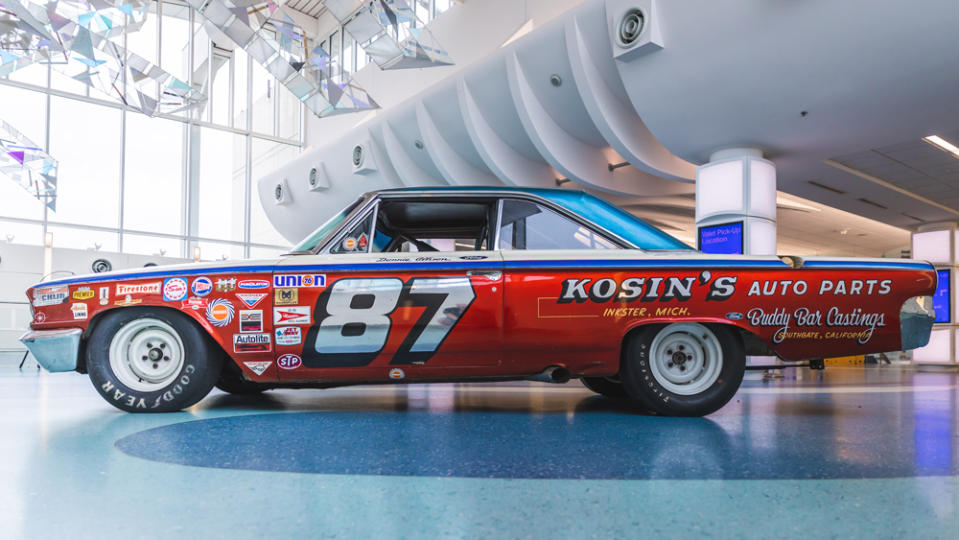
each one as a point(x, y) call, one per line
point(359, 314)
point(545, 251)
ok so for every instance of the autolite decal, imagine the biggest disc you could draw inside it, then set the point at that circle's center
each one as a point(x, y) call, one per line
point(140, 288)
point(299, 280)
point(246, 343)
point(253, 284)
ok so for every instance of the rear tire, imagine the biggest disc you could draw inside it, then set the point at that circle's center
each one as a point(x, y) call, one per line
point(683, 369)
point(606, 387)
point(151, 360)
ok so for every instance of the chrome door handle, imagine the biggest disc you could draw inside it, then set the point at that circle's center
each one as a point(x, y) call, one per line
point(492, 275)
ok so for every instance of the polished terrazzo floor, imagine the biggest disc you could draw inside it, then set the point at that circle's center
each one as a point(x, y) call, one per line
point(858, 453)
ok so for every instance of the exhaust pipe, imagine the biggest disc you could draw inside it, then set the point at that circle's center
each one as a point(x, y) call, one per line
point(552, 374)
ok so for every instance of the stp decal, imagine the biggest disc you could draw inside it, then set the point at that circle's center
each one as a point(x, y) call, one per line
point(174, 289)
point(219, 312)
point(288, 335)
point(299, 280)
point(251, 299)
point(140, 288)
point(291, 315)
point(248, 343)
point(253, 284)
point(201, 286)
point(289, 361)
point(353, 319)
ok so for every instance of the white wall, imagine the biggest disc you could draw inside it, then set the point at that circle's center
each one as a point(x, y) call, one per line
point(468, 31)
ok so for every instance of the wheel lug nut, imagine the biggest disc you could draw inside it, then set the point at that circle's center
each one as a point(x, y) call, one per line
point(163, 345)
point(149, 344)
point(144, 357)
point(680, 347)
point(166, 358)
point(154, 366)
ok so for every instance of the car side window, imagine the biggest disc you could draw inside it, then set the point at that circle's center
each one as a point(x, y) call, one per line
point(527, 225)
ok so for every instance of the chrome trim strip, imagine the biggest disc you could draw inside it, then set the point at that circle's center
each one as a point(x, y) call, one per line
point(499, 223)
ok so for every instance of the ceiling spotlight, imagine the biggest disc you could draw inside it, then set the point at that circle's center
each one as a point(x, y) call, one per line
point(942, 144)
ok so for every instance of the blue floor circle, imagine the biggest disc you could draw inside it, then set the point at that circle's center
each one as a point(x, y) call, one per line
point(548, 445)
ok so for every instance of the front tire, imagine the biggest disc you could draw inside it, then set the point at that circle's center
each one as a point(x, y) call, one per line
point(151, 360)
point(683, 369)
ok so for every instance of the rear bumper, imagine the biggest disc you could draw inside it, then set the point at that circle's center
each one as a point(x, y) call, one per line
point(915, 322)
point(55, 350)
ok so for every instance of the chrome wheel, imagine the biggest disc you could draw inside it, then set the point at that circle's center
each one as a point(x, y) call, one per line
point(146, 354)
point(686, 358)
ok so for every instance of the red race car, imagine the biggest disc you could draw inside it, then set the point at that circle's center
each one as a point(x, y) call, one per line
point(460, 284)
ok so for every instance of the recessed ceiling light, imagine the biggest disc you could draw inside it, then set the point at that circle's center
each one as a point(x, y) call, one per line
point(942, 144)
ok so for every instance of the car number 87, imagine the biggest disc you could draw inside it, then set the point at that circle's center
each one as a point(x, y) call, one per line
point(353, 319)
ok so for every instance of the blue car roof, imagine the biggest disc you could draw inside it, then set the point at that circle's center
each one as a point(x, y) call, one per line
point(606, 215)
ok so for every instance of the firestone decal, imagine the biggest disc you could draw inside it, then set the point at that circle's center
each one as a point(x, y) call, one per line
point(140, 288)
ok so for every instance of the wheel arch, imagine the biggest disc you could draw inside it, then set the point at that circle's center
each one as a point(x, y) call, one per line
point(752, 344)
point(98, 318)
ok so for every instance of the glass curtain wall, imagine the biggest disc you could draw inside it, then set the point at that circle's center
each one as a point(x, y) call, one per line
point(163, 185)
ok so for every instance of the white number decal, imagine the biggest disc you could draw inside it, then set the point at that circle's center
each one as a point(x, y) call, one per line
point(358, 320)
point(353, 319)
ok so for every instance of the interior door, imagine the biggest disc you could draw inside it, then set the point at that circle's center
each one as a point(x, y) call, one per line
point(362, 315)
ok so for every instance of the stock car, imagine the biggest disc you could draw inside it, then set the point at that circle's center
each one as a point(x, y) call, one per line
point(474, 284)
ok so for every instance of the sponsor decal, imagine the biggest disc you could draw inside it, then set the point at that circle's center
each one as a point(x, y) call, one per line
point(128, 301)
point(289, 361)
point(194, 303)
point(104, 296)
point(622, 312)
point(840, 287)
point(219, 312)
point(291, 315)
point(174, 289)
point(804, 323)
point(258, 368)
point(397, 374)
point(286, 297)
point(226, 285)
point(79, 311)
point(40, 317)
point(362, 241)
point(288, 335)
point(50, 296)
point(250, 343)
point(416, 259)
point(84, 293)
point(733, 316)
point(253, 284)
point(139, 288)
point(201, 286)
point(473, 257)
point(299, 280)
point(251, 321)
point(646, 289)
point(250, 300)
point(349, 243)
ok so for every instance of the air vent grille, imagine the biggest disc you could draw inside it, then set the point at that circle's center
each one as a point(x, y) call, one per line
point(873, 203)
point(827, 188)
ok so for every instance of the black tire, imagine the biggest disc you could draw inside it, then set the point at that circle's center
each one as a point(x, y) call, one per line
point(233, 383)
point(642, 385)
point(200, 369)
point(605, 387)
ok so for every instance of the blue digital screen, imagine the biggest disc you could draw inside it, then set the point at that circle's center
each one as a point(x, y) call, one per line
point(940, 302)
point(724, 239)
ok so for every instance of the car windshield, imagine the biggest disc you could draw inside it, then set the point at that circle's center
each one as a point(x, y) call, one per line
point(318, 236)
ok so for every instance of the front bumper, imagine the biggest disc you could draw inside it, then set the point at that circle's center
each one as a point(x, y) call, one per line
point(55, 350)
point(915, 322)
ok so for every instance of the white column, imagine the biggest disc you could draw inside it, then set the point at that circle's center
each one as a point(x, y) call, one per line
point(739, 186)
point(938, 244)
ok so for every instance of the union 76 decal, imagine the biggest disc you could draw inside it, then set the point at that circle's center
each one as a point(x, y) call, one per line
point(353, 324)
